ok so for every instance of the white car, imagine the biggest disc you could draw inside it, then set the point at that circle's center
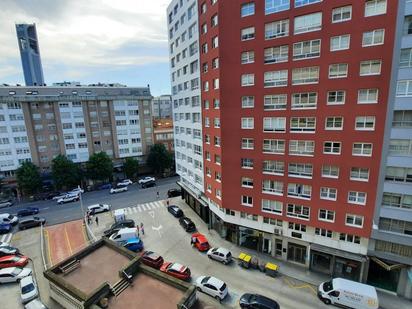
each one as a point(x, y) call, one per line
point(220, 254)
point(68, 198)
point(118, 189)
point(212, 286)
point(35, 304)
point(76, 191)
point(58, 197)
point(28, 289)
point(5, 203)
point(4, 244)
point(13, 274)
point(146, 180)
point(97, 208)
point(125, 182)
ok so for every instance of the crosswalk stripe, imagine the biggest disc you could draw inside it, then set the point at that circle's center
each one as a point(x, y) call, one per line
point(9, 238)
point(134, 209)
point(158, 204)
point(139, 208)
point(144, 206)
point(6, 237)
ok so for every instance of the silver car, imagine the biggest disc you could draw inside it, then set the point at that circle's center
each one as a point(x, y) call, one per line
point(220, 254)
point(13, 274)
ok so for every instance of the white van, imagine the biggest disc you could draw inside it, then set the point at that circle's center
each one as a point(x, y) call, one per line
point(123, 235)
point(348, 293)
point(8, 218)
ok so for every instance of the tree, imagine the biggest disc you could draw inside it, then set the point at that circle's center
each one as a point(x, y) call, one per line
point(159, 158)
point(99, 167)
point(130, 167)
point(65, 173)
point(28, 178)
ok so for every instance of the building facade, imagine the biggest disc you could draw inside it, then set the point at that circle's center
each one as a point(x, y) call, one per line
point(294, 103)
point(182, 23)
point(30, 54)
point(162, 107)
point(163, 133)
point(39, 123)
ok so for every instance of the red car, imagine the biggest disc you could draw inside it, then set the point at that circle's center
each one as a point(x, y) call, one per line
point(176, 270)
point(152, 259)
point(200, 242)
point(13, 261)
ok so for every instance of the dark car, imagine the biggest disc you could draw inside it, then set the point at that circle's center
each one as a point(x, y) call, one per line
point(152, 259)
point(148, 184)
point(119, 225)
point(175, 211)
point(174, 193)
point(7, 250)
point(29, 211)
point(187, 224)
point(5, 228)
point(31, 222)
point(105, 186)
point(257, 301)
point(50, 195)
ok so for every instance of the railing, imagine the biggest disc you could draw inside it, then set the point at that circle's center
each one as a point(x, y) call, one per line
point(42, 249)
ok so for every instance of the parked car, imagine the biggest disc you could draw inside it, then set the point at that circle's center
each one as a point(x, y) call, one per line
point(28, 289)
point(123, 235)
point(5, 228)
point(35, 304)
point(4, 244)
point(76, 191)
point(118, 189)
point(187, 224)
point(134, 244)
point(51, 195)
point(59, 196)
point(212, 286)
point(104, 186)
point(13, 274)
point(152, 259)
point(4, 251)
point(125, 182)
point(200, 242)
point(68, 198)
point(8, 218)
point(175, 211)
point(146, 180)
point(174, 193)
point(257, 301)
point(97, 208)
point(115, 227)
point(13, 261)
point(176, 270)
point(148, 184)
point(28, 211)
point(220, 254)
point(31, 222)
point(6, 203)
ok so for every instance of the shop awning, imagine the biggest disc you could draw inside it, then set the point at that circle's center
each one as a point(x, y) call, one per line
point(336, 252)
point(198, 197)
point(386, 265)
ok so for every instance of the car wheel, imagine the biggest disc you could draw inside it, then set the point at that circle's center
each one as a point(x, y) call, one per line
point(209, 256)
point(199, 289)
point(327, 301)
point(218, 298)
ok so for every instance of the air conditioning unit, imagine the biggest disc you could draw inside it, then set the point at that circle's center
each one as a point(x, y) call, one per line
point(278, 232)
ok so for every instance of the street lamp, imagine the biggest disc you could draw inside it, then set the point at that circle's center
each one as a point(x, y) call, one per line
point(81, 200)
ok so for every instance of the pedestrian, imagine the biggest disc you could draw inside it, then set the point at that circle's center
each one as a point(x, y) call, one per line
point(142, 228)
point(167, 202)
point(97, 220)
point(138, 231)
point(157, 194)
point(89, 219)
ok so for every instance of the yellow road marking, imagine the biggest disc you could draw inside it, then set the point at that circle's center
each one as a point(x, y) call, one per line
point(46, 234)
point(68, 240)
point(303, 286)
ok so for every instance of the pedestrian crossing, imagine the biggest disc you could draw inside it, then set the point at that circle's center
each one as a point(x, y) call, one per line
point(143, 207)
point(6, 237)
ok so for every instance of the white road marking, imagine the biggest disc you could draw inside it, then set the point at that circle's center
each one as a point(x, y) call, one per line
point(134, 209)
point(45, 208)
point(6, 237)
point(152, 214)
point(158, 228)
point(139, 208)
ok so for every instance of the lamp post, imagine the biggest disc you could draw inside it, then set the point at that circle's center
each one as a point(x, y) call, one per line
point(81, 200)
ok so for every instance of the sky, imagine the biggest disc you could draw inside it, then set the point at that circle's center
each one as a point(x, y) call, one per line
point(90, 41)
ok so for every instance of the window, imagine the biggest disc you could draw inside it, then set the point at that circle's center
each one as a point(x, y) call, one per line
point(299, 3)
point(354, 220)
point(247, 34)
point(368, 96)
point(326, 215)
point(248, 216)
point(331, 147)
point(397, 200)
point(274, 146)
point(247, 182)
point(214, 21)
point(375, 7)
point(399, 174)
point(247, 123)
point(301, 170)
point(277, 29)
point(215, 42)
point(404, 88)
point(306, 100)
point(308, 75)
point(246, 163)
point(248, 80)
point(247, 200)
point(274, 124)
point(370, 67)
point(334, 123)
point(272, 187)
point(308, 23)
point(248, 102)
point(248, 143)
point(339, 70)
point(247, 9)
point(374, 37)
point(330, 171)
point(273, 6)
point(276, 78)
point(297, 227)
point(336, 97)
point(303, 124)
point(402, 119)
point(301, 148)
point(273, 167)
point(323, 232)
point(359, 174)
point(349, 238)
point(306, 49)
point(328, 193)
point(358, 198)
point(272, 206)
point(298, 211)
point(299, 191)
point(275, 102)
point(276, 54)
point(248, 57)
point(365, 123)
point(362, 149)
point(342, 14)
point(407, 25)
point(340, 42)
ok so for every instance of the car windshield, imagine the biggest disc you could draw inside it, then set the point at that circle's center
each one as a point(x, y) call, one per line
point(328, 286)
point(15, 259)
point(16, 271)
point(27, 288)
point(205, 279)
point(10, 217)
point(223, 287)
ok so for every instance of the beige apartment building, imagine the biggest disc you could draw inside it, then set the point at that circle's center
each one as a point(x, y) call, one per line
point(39, 123)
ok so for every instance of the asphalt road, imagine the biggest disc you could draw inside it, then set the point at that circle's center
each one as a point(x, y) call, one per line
point(55, 213)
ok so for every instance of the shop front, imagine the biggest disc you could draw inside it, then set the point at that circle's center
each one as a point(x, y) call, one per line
point(195, 202)
point(297, 253)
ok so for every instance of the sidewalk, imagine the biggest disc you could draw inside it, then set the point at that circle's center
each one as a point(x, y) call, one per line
point(296, 272)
